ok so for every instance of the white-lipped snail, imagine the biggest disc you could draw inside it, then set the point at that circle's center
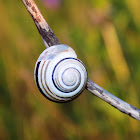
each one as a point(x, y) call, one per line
point(59, 75)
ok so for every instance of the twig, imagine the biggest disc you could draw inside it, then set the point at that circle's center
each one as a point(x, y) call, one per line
point(113, 100)
point(45, 31)
point(50, 39)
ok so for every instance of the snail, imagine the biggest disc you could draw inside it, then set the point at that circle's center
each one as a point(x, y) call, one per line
point(59, 75)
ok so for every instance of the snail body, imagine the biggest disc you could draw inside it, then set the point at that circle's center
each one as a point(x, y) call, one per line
point(59, 75)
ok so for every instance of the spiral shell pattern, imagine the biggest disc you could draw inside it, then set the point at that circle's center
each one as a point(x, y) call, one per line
point(59, 75)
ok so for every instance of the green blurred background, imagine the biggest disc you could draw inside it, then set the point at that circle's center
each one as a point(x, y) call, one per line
point(106, 37)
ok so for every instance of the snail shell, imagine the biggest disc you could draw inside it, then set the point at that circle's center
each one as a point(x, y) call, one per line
point(59, 75)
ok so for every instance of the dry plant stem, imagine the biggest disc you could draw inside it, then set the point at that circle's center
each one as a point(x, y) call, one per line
point(45, 31)
point(113, 100)
point(50, 39)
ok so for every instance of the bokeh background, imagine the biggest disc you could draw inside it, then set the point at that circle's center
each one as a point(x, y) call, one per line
point(106, 37)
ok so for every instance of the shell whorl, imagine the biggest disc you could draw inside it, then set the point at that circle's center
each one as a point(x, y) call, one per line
point(59, 75)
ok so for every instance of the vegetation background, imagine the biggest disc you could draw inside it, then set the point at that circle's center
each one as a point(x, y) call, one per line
point(105, 35)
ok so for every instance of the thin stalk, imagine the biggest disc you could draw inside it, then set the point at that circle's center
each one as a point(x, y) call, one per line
point(119, 104)
point(45, 31)
point(50, 39)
